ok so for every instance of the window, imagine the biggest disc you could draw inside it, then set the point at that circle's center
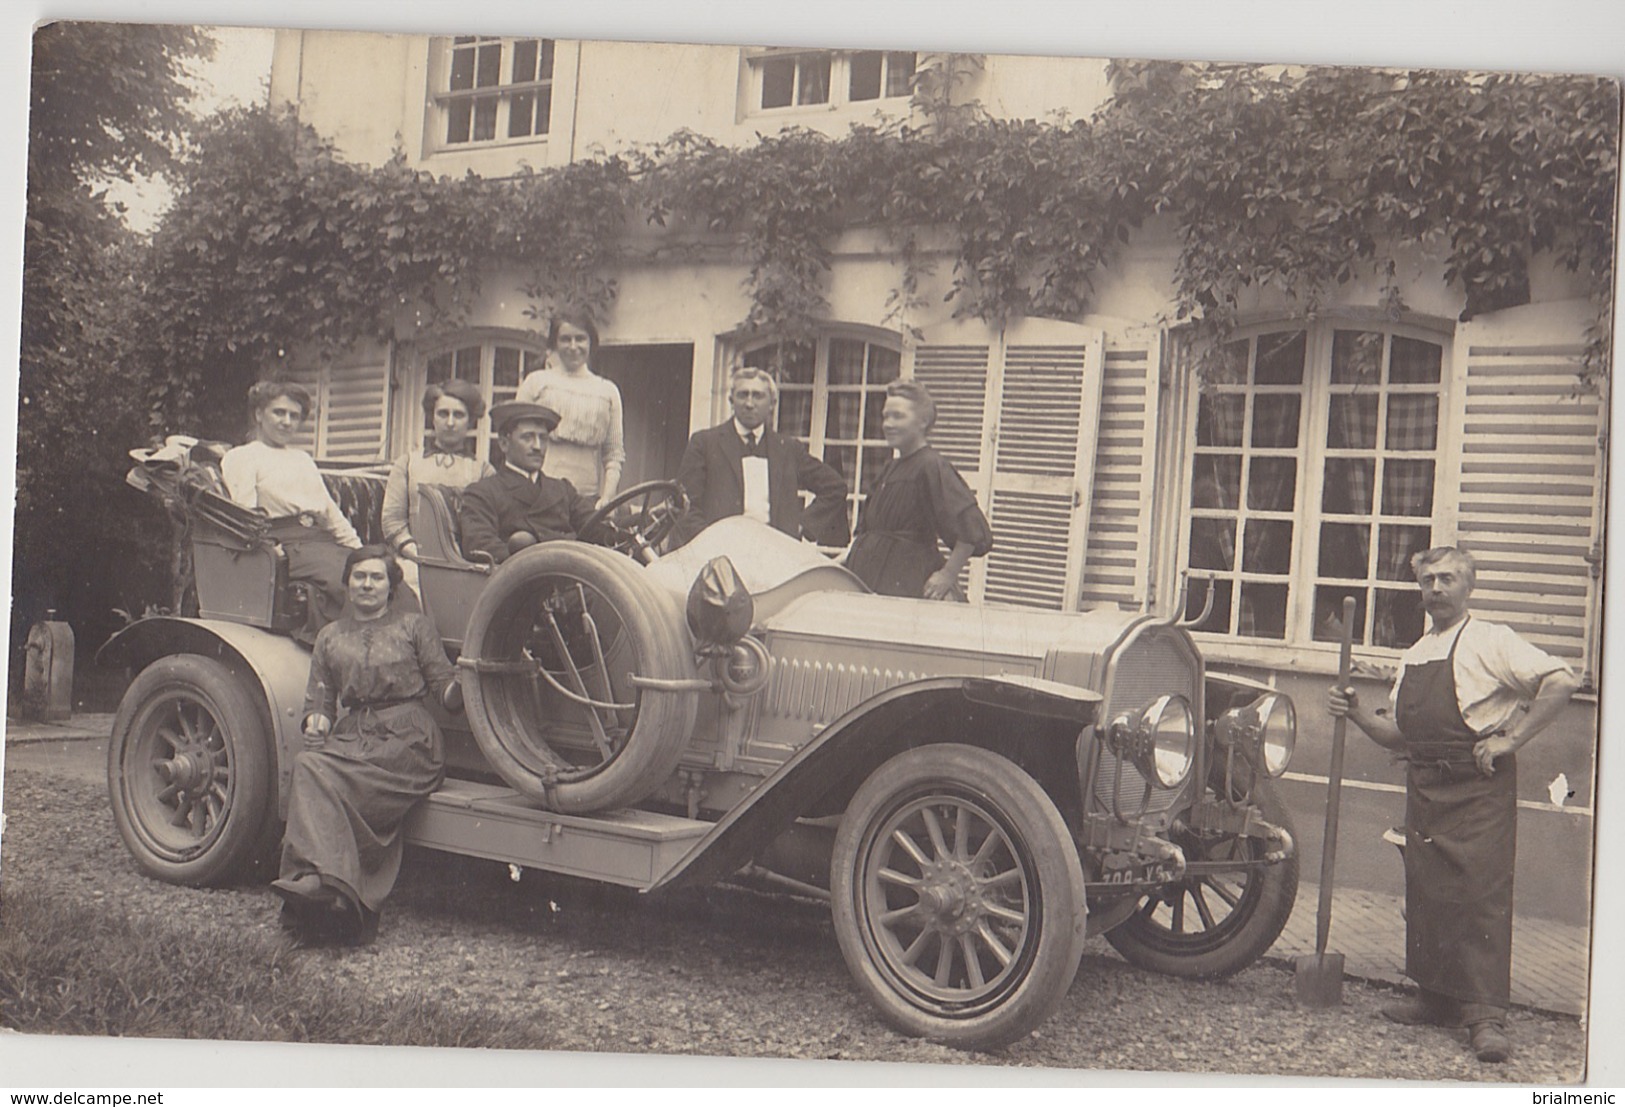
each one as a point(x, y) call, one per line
point(1312, 478)
point(790, 79)
point(831, 393)
point(493, 89)
point(497, 367)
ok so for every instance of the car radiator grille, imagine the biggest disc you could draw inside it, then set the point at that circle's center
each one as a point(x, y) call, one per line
point(1152, 665)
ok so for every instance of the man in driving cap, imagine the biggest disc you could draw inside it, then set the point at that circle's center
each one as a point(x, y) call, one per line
point(520, 505)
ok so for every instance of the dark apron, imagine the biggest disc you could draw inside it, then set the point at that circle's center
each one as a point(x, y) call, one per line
point(1460, 842)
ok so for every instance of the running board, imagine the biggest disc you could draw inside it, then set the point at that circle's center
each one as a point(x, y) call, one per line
point(628, 847)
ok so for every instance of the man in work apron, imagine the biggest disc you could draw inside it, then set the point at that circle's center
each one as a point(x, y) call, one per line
point(1460, 842)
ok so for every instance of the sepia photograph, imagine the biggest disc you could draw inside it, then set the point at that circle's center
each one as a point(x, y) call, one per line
point(841, 546)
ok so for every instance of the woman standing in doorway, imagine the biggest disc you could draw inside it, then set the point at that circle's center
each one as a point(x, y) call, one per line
point(588, 448)
point(917, 500)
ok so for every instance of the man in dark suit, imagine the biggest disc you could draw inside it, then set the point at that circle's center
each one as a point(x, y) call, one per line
point(520, 505)
point(744, 467)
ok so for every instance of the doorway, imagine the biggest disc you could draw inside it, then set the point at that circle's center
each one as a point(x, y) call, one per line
point(656, 383)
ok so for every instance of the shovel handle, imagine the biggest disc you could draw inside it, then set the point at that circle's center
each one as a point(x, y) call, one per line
point(1334, 787)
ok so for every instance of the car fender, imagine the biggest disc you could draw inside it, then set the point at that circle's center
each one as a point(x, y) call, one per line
point(1008, 714)
point(280, 667)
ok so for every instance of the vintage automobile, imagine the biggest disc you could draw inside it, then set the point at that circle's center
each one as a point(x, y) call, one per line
point(973, 789)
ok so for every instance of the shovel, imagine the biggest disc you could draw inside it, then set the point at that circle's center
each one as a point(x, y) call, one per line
point(1320, 974)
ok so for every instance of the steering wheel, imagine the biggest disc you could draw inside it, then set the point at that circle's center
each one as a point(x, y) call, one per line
point(638, 534)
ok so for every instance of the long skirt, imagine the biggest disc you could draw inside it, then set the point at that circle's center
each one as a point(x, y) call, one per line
point(349, 799)
point(1460, 844)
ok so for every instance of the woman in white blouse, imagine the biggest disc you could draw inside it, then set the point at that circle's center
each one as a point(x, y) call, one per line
point(588, 448)
point(271, 475)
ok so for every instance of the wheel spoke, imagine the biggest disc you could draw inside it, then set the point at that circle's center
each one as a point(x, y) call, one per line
point(916, 947)
point(933, 828)
point(887, 918)
point(1007, 914)
point(999, 880)
point(985, 850)
point(1201, 906)
point(945, 963)
point(1000, 951)
point(973, 963)
point(169, 736)
point(1229, 897)
point(892, 876)
point(962, 835)
point(1179, 912)
point(901, 837)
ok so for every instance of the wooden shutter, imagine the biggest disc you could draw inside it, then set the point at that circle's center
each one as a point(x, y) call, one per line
point(1117, 559)
point(1530, 476)
point(1016, 414)
point(353, 414)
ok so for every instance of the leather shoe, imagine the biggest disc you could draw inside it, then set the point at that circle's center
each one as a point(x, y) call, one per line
point(1422, 1012)
point(1490, 1042)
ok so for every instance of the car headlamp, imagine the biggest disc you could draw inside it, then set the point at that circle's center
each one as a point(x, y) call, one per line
point(1160, 739)
point(1266, 730)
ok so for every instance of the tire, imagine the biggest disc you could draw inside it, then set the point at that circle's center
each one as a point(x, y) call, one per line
point(1014, 881)
point(190, 772)
point(1181, 930)
point(532, 735)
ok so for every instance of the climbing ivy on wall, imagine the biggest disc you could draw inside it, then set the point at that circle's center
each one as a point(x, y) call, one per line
point(1288, 180)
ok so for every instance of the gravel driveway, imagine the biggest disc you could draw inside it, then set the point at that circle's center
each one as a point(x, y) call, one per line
point(731, 971)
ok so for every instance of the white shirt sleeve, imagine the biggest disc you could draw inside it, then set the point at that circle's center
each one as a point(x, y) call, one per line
point(241, 475)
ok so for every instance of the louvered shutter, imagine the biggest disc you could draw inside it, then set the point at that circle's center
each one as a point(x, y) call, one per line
point(1530, 478)
point(1016, 414)
point(354, 410)
point(1117, 559)
point(311, 378)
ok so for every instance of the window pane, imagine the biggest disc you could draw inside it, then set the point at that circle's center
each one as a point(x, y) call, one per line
point(1413, 422)
point(1398, 618)
point(884, 364)
point(546, 72)
point(865, 84)
point(795, 412)
point(1329, 613)
point(1275, 421)
point(534, 361)
point(1272, 483)
point(468, 364)
point(1213, 544)
point(1357, 357)
point(1280, 358)
point(438, 368)
point(844, 459)
point(845, 361)
point(462, 69)
point(524, 61)
point(1395, 547)
point(813, 73)
point(1217, 481)
point(778, 82)
point(874, 408)
point(521, 110)
point(505, 367)
point(1219, 619)
point(1349, 481)
point(1407, 487)
point(1263, 610)
point(485, 119)
point(488, 70)
point(899, 72)
point(1267, 546)
point(1218, 420)
point(1230, 363)
point(1345, 550)
point(459, 114)
point(844, 415)
point(544, 111)
point(1352, 422)
point(1415, 362)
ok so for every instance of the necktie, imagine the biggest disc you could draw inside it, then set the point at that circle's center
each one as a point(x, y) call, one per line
point(753, 445)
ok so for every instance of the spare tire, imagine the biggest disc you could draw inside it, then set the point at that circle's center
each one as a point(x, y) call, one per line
point(523, 693)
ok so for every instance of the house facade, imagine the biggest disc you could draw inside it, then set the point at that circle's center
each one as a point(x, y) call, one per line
point(1329, 450)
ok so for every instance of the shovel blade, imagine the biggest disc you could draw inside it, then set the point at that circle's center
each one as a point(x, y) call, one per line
point(1319, 980)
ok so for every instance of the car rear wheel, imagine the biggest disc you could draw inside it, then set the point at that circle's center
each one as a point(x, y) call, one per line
point(958, 897)
point(569, 662)
point(189, 771)
point(1214, 924)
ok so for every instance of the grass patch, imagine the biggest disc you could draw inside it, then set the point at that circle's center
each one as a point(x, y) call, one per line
point(70, 968)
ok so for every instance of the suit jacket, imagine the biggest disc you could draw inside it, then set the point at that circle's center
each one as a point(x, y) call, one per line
point(712, 474)
point(497, 506)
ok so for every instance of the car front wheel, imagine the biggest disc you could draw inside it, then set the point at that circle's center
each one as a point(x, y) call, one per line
point(958, 897)
point(189, 771)
point(1217, 923)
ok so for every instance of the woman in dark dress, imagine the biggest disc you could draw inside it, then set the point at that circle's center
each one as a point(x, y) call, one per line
point(918, 499)
point(355, 782)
